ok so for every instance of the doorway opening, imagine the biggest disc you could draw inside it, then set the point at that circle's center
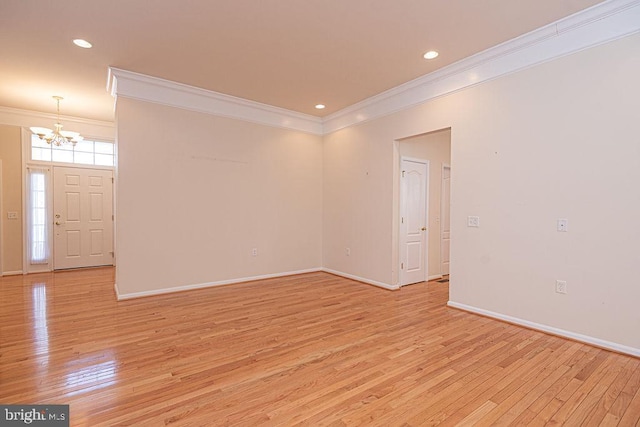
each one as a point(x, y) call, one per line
point(433, 149)
point(69, 217)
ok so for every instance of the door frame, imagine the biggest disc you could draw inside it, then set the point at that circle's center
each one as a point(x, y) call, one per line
point(51, 166)
point(51, 196)
point(401, 212)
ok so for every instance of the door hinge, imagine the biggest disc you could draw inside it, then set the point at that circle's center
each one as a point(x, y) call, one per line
point(113, 217)
point(112, 180)
point(402, 266)
point(403, 174)
point(402, 220)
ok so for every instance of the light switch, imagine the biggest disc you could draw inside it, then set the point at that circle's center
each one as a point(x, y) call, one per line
point(12, 215)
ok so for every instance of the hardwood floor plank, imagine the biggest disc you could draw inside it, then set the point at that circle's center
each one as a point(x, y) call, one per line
point(312, 349)
point(624, 398)
point(631, 415)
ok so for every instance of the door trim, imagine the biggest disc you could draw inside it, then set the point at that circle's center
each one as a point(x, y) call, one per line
point(444, 166)
point(401, 212)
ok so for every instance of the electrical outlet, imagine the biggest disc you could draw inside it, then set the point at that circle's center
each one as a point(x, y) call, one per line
point(12, 215)
point(561, 286)
point(563, 225)
point(254, 252)
point(473, 221)
point(347, 251)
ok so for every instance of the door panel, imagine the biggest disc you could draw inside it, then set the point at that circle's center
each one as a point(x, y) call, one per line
point(72, 247)
point(97, 240)
point(83, 225)
point(414, 257)
point(96, 207)
point(73, 205)
point(413, 220)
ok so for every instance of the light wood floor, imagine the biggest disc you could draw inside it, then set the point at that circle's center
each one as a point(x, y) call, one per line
point(312, 349)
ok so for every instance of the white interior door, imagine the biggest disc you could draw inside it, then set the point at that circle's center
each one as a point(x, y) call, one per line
point(414, 181)
point(446, 220)
point(82, 217)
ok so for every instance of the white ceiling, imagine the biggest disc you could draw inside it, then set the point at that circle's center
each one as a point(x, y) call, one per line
point(287, 53)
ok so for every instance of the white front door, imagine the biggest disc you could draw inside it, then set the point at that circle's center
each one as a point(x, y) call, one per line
point(445, 204)
point(82, 217)
point(414, 180)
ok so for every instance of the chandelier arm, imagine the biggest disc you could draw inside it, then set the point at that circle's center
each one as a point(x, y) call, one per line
point(57, 137)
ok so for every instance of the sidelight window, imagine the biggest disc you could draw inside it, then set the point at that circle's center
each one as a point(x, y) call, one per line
point(37, 231)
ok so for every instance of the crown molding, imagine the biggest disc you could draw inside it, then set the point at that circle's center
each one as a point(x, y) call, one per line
point(599, 24)
point(87, 127)
point(160, 91)
point(602, 23)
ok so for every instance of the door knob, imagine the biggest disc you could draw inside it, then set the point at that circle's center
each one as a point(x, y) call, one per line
point(424, 228)
point(58, 223)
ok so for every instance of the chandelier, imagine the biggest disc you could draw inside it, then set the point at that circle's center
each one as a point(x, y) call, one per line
point(58, 136)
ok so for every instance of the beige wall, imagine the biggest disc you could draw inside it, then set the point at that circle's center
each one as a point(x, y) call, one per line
point(196, 193)
point(559, 140)
point(435, 147)
point(356, 209)
point(10, 154)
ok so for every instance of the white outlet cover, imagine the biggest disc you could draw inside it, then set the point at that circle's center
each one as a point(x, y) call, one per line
point(563, 225)
point(561, 286)
point(473, 221)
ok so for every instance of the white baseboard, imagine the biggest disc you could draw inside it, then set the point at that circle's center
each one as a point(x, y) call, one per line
point(550, 329)
point(434, 277)
point(362, 279)
point(121, 296)
point(11, 273)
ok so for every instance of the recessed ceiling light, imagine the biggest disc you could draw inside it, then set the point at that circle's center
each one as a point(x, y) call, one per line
point(431, 54)
point(82, 43)
point(320, 106)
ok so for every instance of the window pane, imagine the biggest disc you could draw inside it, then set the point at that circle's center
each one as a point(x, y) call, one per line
point(41, 154)
point(37, 142)
point(83, 158)
point(36, 153)
point(38, 217)
point(37, 183)
point(104, 160)
point(85, 146)
point(64, 147)
point(38, 198)
point(62, 156)
point(104, 147)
